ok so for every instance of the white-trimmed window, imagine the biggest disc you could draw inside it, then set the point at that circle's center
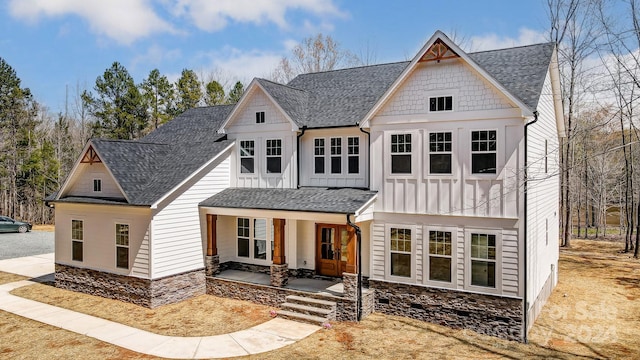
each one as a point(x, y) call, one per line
point(247, 159)
point(97, 185)
point(77, 240)
point(440, 103)
point(440, 152)
point(484, 148)
point(401, 153)
point(274, 156)
point(441, 251)
point(484, 259)
point(260, 117)
point(336, 155)
point(400, 252)
point(122, 246)
point(254, 239)
point(318, 156)
point(353, 155)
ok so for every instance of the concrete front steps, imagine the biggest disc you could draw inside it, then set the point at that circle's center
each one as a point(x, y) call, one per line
point(308, 310)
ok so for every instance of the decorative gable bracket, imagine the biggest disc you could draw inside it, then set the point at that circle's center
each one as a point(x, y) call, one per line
point(90, 157)
point(438, 51)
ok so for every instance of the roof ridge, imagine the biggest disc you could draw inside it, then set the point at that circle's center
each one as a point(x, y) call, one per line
point(129, 141)
point(511, 48)
point(354, 67)
point(280, 84)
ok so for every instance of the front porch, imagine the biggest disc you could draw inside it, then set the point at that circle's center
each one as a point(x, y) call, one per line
point(316, 286)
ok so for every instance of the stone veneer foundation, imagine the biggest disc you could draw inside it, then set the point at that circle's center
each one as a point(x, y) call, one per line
point(275, 296)
point(485, 314)
point(144, 292)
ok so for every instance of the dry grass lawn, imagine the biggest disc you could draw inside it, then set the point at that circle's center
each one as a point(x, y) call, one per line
point(50, 228)
point(593, 313)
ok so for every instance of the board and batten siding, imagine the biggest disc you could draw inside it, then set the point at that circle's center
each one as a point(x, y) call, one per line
point(176, 238)
point(243, 127)
point(82, 182)
point(543, 194)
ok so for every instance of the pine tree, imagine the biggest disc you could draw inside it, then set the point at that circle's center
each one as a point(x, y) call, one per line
point(189, 92)
point(236, 93)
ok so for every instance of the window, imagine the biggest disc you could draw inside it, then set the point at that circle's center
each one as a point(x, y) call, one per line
point(400, 252)
point(243, 237)
point(483, 260)
point(318, 152)
point(353, 153)
point(483, 152)
point(440, 247)
point(77, 240)
point(97, 185)
point(260, 117)
point(247, 156)
point(336, 155)
point(441, 103)
point(122, 246)
point(401, 154)
point(440, 153)
point(253, 239)
point(274, 156)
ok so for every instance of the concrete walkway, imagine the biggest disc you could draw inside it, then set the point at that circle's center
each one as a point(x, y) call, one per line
point(265, 337)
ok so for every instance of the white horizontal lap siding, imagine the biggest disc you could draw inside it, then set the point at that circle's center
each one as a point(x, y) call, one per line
point(510, 262)
point(461, 257)
point(543, 195)
point(378, 257)
point(140, 266)
point(177, 242)
point(82, 183)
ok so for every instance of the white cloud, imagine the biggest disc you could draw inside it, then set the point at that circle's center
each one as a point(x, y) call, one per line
point(495, 41)
point(215, 15)
point(239, 64)
point(124, 21)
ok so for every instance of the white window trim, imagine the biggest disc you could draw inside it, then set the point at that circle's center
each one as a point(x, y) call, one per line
point(453, 152)
point(467, 261)
point(115, 248)
point(387, 253)
point(347, 155)
point(415, 151)
point(263, 117)
point(240, 157)
point(453, 103)
point(93, 186)
point(76, 218)
point(251, 259)
point(281, 156)
point(454, 256)
point(324, 156)
point(341, 156)
point(498, 151)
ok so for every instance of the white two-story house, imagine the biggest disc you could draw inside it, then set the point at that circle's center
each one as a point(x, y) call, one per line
point(426, 188)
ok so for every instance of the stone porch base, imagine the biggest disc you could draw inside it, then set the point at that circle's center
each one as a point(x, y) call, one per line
point(485, 314)
point(144, 292)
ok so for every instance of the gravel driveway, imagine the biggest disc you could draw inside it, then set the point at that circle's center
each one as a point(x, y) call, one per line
point(27, 244)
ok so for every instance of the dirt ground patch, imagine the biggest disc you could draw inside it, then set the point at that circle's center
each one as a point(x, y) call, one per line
point(44, 227)
point(6, 278)
point(593, 313)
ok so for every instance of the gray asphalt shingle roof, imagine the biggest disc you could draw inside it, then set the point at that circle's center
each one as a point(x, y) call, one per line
point(322, 200)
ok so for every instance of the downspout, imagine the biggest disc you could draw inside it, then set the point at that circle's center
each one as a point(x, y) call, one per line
point(304, 128)
point(524, 252)
point(368, 156)
point(359, 260)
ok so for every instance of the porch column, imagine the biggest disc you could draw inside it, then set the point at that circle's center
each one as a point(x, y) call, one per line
point(279, 268)
point(212, 260)
point(350, 276)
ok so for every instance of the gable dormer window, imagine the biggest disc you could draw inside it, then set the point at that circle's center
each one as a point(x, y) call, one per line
point(260, 117)
point(247, 156)
point(274, 156)
point(97, 185)
point(441, 103)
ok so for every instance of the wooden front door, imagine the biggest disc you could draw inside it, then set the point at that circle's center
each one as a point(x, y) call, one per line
point(331, 249)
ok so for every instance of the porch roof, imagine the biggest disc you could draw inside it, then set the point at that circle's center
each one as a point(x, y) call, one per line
point(320, 200)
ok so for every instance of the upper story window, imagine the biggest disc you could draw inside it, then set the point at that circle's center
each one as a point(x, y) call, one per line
point(353, 153)
point(318, 153)
point(122, 246)
point(441, 103)
point(274, 156)
point(401, 154)
point(440, 153)
point(336, 155)
point(484, 151)
point(247, 151)
point(260, 117)
point(97, 185)
point(77, 240)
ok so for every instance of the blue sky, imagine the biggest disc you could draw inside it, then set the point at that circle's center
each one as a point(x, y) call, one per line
point(54, 44)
